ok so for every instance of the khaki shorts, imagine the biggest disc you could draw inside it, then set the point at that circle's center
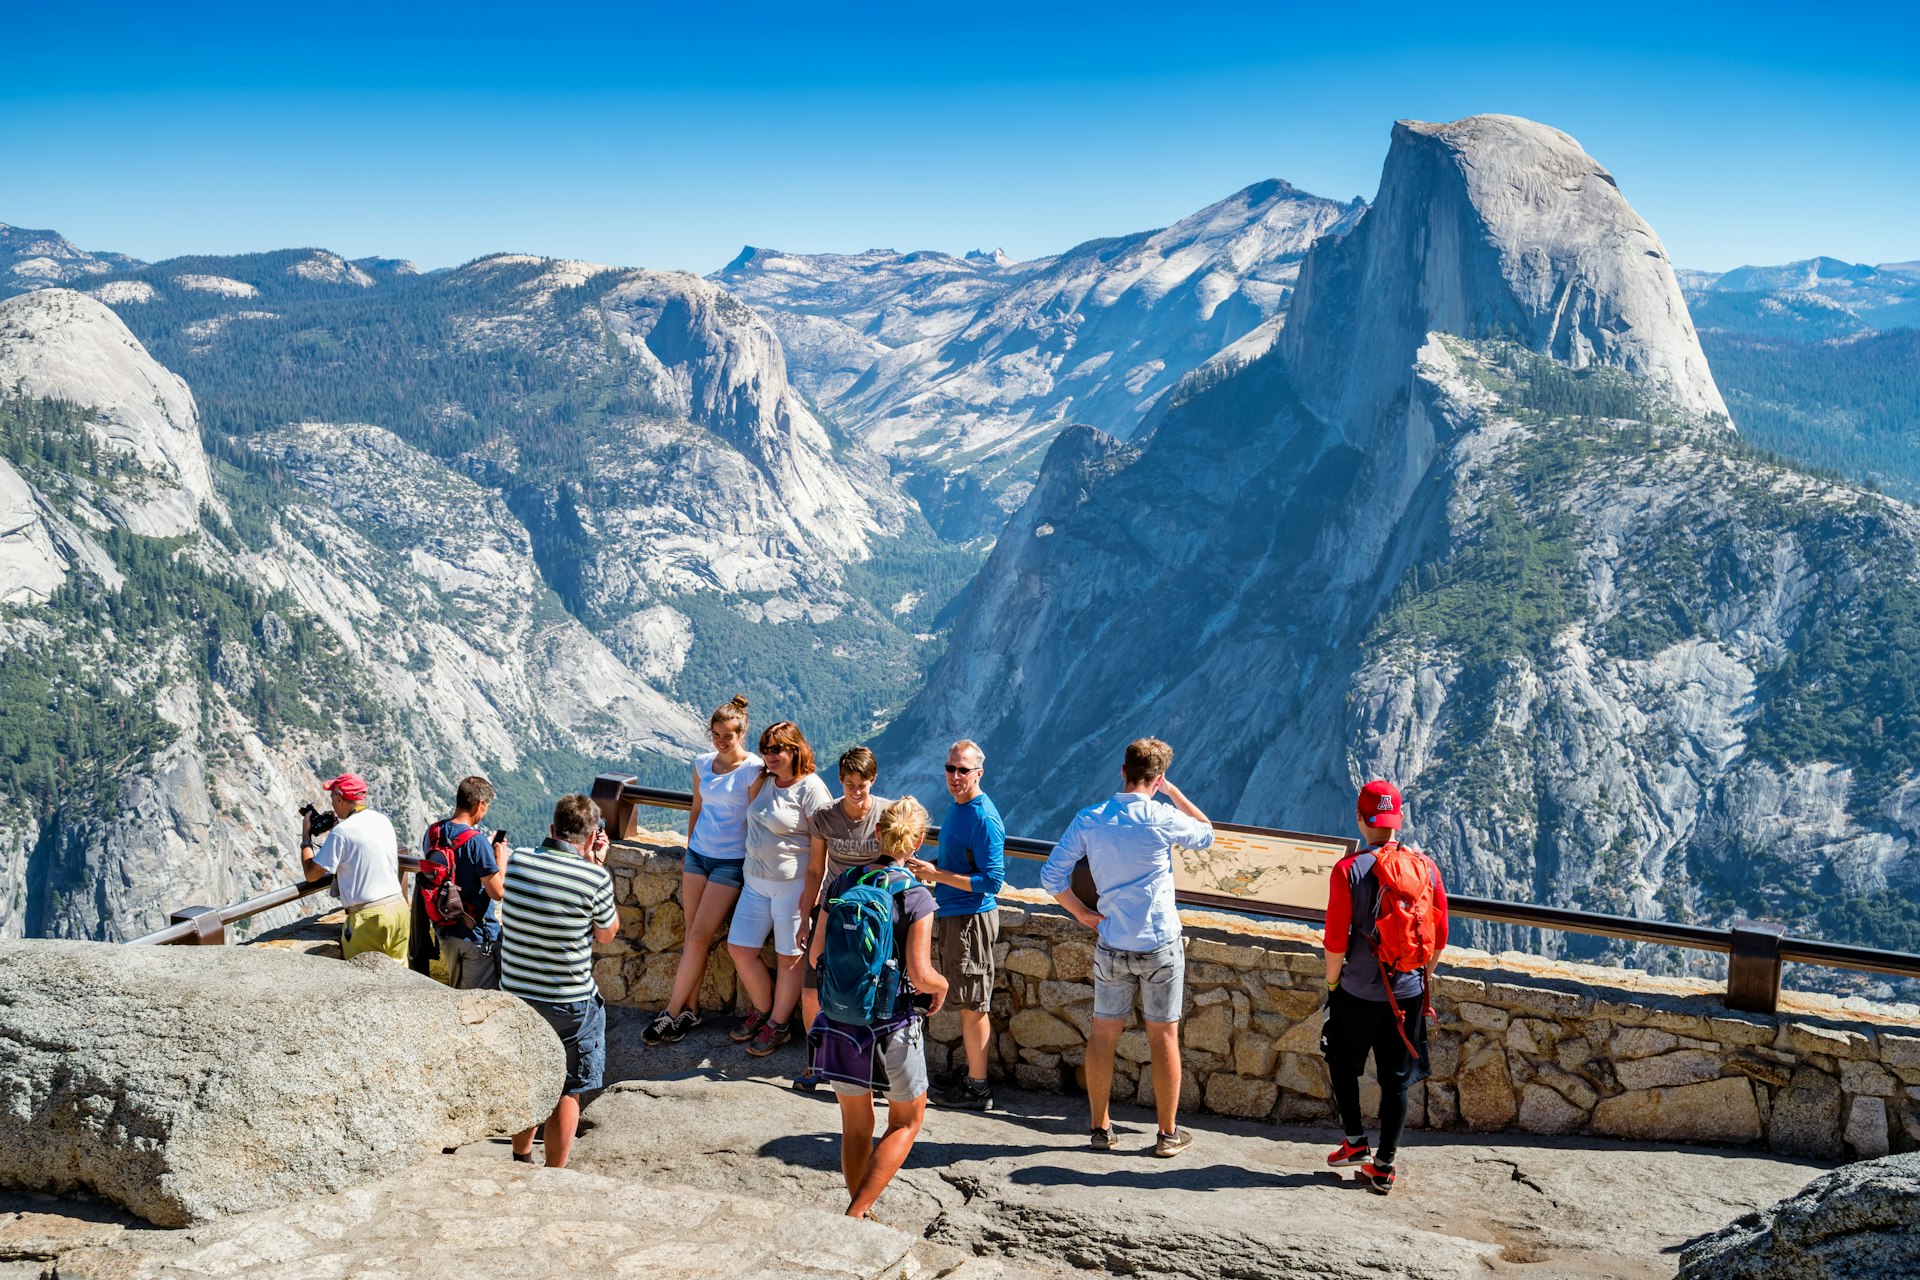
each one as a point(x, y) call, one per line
point(963, 947)
point(376, 926)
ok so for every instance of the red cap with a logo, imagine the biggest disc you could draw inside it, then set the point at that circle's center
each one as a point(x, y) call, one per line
point(348, 786)
point(1379, 804)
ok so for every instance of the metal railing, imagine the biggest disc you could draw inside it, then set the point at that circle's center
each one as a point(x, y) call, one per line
point(207, 926)
point(1755, 951)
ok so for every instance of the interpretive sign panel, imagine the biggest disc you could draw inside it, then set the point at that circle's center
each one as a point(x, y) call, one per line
point(1252, 868)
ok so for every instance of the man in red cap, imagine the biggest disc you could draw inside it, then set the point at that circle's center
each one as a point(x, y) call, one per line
point(1386, 927)
point(362, 852)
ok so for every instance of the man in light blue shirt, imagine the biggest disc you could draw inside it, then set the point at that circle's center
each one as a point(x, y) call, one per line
point(1127, 842)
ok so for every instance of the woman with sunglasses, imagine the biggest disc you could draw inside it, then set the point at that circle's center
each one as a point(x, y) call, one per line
point(716, 856)
point(779, 841)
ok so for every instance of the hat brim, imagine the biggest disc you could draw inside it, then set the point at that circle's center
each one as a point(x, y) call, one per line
point(1386, 821)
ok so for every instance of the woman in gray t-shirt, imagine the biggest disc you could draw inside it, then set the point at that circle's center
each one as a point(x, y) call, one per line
point(843, 836)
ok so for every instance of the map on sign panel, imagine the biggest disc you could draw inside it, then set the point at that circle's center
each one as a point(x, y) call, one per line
point(1265, 868)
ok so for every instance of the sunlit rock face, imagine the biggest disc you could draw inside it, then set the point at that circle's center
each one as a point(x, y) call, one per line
point(1475, 521)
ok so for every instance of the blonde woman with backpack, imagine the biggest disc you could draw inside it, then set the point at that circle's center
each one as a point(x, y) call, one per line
point(877, 922)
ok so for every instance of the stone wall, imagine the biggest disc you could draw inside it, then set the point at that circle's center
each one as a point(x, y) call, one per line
point(1521, 1042)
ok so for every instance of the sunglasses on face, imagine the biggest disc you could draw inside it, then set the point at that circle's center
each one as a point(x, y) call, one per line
point(774, 751)
point(958, 770)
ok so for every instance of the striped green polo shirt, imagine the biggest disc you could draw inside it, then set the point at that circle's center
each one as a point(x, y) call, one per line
point(553, 900)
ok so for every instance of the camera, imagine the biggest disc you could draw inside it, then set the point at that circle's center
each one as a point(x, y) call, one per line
point(318, 823)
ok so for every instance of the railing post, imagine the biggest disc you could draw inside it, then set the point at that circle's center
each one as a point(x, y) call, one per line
point(1753, 967)
point(209, 930)
point(610, 793)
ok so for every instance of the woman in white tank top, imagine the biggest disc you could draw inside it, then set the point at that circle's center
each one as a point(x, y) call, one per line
point(716, 853)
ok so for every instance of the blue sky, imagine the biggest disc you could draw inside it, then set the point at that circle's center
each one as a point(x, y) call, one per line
point(670, 136)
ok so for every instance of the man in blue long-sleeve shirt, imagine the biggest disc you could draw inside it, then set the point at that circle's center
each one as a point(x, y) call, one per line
point(1127, 841)
point(966, 874)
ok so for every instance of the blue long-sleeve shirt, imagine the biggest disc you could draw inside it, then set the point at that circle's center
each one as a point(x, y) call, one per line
point(973, 843)
point(1128, 844)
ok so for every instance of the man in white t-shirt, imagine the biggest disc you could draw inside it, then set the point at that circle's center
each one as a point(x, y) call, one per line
point(362, 852)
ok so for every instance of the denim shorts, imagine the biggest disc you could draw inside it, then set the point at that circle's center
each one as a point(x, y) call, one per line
point(727, 871)
point(1160, 976)
point(582, 1028)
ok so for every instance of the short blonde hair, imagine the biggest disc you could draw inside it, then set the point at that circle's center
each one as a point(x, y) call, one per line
point(968, 744)
point(902, 827)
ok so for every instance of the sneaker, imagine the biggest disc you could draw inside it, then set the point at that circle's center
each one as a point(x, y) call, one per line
point(1377, 1177)
point(749, 1026)
point(770, 1035)
point(659, 1030)
point(947, 1081)
point(681, 1025)
point(807, 1081)
point(969, 1096)
point(1172, 1144)
point(1350, 1153)
point(1102, 1139)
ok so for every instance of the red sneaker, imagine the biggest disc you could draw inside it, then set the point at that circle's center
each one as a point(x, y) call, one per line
point(1349, 1153)
point(749, 1026)
point(1379, 1178)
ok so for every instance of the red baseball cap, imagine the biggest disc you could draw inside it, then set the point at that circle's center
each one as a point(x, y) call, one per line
point(350, 786)
point(1379, 804)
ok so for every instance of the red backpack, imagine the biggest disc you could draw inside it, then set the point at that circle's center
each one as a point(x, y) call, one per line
point(1404, 938)
point(445, 906)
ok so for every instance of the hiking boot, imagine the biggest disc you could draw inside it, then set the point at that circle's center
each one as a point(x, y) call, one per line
point(1172, 1144)
point(1350, 1153)
point(947, 1081)
point(749, 1026)
point(659, 1030)
point(681, 1025)
point(807, 1081)
point(770, 1035)
point(1378, 1178)
point(969, 1095)
point(1102, 1139)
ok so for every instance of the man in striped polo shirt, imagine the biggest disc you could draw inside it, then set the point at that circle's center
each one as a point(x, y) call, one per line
point(558, 903)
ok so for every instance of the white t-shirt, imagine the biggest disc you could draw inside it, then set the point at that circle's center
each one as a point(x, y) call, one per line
point(780, 827)
point(721, 831)
point(363, 854)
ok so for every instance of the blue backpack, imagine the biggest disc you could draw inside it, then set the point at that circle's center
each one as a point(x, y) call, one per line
point(860, 977)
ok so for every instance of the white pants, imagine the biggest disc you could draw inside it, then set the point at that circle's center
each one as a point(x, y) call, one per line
point(768, 906)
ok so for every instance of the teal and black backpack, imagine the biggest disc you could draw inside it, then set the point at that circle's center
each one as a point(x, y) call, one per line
point(860, 976)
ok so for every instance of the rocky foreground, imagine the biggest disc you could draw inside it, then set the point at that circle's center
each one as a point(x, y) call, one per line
point(694, 1165)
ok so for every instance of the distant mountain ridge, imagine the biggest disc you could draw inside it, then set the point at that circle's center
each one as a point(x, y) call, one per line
point(963, 369)
point(1810, 299)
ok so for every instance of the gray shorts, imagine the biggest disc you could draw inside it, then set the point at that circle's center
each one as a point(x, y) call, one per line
point(470, 965)
point(1160, 976)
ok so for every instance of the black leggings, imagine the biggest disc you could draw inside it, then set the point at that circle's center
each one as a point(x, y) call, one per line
point(1355, 1028)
